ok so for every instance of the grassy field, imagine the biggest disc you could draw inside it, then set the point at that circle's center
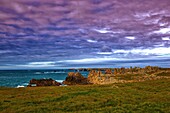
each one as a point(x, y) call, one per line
point(141, 97)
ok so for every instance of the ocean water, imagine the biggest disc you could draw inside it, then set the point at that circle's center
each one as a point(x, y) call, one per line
point(16, 78)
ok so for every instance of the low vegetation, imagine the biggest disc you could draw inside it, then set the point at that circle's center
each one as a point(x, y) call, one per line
point(122, 75)
point(138, 97)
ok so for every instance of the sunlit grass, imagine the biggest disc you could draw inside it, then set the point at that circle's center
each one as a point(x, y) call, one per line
point(142, 97)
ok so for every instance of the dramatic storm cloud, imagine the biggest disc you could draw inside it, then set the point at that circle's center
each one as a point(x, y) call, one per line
point(84, 33)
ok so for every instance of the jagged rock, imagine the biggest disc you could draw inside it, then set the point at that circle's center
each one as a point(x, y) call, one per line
point(108, 71)
point(75, 79)
point(43, 82)
point(70, 74)
point(94, 77)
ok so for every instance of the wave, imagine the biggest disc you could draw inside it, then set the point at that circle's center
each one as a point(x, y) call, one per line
point(38, 73)
point(53, 72)
point(47, 72)
point(22, 85)
point(59, 81)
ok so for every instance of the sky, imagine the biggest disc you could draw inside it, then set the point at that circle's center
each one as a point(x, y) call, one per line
point(52, 34)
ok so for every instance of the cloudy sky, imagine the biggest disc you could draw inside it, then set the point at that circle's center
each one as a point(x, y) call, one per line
point(84, 33)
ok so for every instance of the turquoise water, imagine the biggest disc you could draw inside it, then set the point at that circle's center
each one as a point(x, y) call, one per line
point(15, 78)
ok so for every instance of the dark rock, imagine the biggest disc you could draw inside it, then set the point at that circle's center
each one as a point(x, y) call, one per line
point(75, 79)
point(43, 82)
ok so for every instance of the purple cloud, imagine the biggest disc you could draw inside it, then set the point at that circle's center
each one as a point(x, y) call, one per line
point(52, 31)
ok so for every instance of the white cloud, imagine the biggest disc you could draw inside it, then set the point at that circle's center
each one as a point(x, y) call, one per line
point(130, 37)
point(163, 24)
point(159, 45)
point(151, 21)
point(41, 63)
point(160, 51)
point(163, 31)
point(121, 51)
point(91, 41)
point(105, 53)
point(89, 60)
point(104, 30)
point(161, 12)
point(142, 16)
point(38, 64)
point(107, 30)
point(166, 38)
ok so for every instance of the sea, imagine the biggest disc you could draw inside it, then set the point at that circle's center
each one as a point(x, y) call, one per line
point(21, 78)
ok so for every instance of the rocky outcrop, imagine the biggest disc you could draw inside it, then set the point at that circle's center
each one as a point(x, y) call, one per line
point(43, 82)
point(95, 77)
point(108, 71)
point(75, 79)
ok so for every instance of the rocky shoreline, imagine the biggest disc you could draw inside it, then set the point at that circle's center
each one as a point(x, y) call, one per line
point(107, 76)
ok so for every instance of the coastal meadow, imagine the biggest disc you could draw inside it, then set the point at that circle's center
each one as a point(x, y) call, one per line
point(138, 97)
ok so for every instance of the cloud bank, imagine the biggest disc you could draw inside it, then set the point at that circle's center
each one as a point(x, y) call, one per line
point(91, 33)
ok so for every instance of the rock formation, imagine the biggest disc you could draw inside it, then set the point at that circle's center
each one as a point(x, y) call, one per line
point(75, 79)
point(108, 71)
point(95, 77)
point(43, 82)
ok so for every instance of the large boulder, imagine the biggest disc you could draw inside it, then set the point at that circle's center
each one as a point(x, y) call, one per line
point(75, 79)
point(43, 82)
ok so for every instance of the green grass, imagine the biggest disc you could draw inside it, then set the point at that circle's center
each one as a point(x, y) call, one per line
point(141, 97)
point(126, 76)
point(164, 73)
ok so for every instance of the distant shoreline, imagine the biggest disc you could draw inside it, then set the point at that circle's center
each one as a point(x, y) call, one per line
point(16, 78)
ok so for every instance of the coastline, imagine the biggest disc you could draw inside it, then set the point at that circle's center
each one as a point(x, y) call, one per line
point(95, 75)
